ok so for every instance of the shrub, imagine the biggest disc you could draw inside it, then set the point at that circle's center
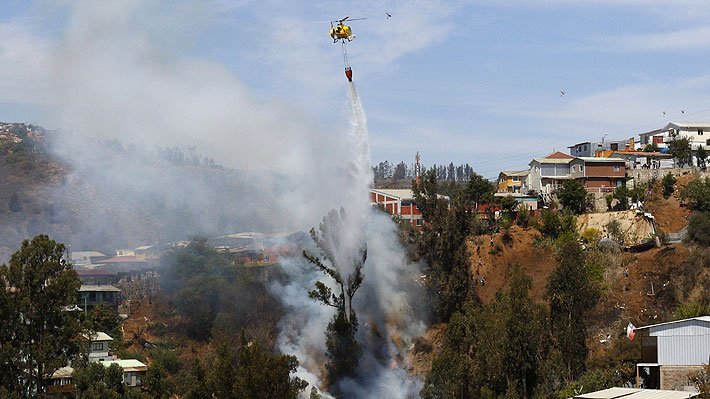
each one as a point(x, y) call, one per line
point(668, 183)
point(697, 194)
point(691, 309)
point(591, 235)
point(523, 217)
point(699, 228)
point(614, 230)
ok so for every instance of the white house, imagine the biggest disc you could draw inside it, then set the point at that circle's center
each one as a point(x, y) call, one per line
point(671, 352)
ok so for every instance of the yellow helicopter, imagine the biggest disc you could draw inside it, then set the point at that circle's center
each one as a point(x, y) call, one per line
point(341, 31)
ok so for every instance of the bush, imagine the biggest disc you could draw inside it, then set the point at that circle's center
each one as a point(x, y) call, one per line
point(691, 309)
point(157, 328)
point(523, 217)
point(614, 230)
point(668, 183)
point(554, 224)
point(591, 235)
point(697, 194)
point(699, 228)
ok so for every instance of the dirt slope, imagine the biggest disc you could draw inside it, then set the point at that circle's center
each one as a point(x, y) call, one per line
point(539, 263)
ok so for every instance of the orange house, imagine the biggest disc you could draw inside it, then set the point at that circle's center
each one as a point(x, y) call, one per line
point(398, 202)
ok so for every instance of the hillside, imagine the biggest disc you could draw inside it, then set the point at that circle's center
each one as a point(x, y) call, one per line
point(101, 196)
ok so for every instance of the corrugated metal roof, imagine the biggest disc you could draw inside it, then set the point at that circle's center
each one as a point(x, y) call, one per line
point(126, 364)
point(98, 288)
point(64, 372)
point(636, 393)
point(701, 318)
point(553, 160)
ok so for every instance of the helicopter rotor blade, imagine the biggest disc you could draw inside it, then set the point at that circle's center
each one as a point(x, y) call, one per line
point(356, 19)
point(343, 20)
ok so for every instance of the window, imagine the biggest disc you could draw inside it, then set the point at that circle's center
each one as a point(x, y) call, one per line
point(418, 222)
point(516, 178)
point(700, 132)
point(581, 168)
point(617, 168)
point(97, 346)
point(658, 139)
point(585, 147)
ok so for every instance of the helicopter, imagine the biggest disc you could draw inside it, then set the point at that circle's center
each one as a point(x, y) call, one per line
point(342, 32)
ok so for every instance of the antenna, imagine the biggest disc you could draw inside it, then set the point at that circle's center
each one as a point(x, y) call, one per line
point(416, 169)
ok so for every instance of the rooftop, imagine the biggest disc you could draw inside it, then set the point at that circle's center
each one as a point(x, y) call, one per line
point(98, 336)
point(98, 288)
point(558, 155)
point(553, 160)
point(600, 159)
point(642, 154)
point(94, 272)
point(126, 364)
point(636, 393)
point(700, 318)
point(516, 173)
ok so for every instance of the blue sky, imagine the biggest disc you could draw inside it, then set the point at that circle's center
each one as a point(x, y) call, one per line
point(459, 81)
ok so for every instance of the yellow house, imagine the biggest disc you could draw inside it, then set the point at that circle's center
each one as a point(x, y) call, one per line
point(513, 181)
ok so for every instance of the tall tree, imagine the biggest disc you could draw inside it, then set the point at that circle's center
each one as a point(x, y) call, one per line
point(571, 296)
point(574, 197)
point(681, 150)
point(37, 330)
point(443, 244)
point(479, 190)
point(701, 155)
point(343, 350)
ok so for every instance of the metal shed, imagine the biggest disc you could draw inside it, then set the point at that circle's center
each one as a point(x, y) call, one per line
point(636, 393)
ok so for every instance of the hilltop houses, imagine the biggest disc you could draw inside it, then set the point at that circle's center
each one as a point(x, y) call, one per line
point(398, 202)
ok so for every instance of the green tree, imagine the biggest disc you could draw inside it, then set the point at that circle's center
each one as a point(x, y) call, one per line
point(621, 195)
point(574, 197)
point(491, 350)
point(555, 224)
point(198, 382)
point(668, 182)
point(250, 373)
point(697, 194)
point(699, 228)
point(97, 381)
point(343, 350)
point(681, 150)
point(443, 245)
point(652, 147)
point(571, 295)
point(37, 331)
point(156, 382)
point(103, 318)
point(508, 204)
point(701, 155)
point(479, 190)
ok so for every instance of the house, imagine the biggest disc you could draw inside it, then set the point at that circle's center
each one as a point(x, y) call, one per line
point(698, 133)
point(526, 201)
point(513, 181)
point(92, 295)
point(60, 383)
point(671, 352)
point(85, 258)
point(598, 174)
point(98, 347)
point(636, 393)
point(97, 277)
point(594, 149)
point(401, 203)
point(644, 160)
point(549, 173)
point(133, 371)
